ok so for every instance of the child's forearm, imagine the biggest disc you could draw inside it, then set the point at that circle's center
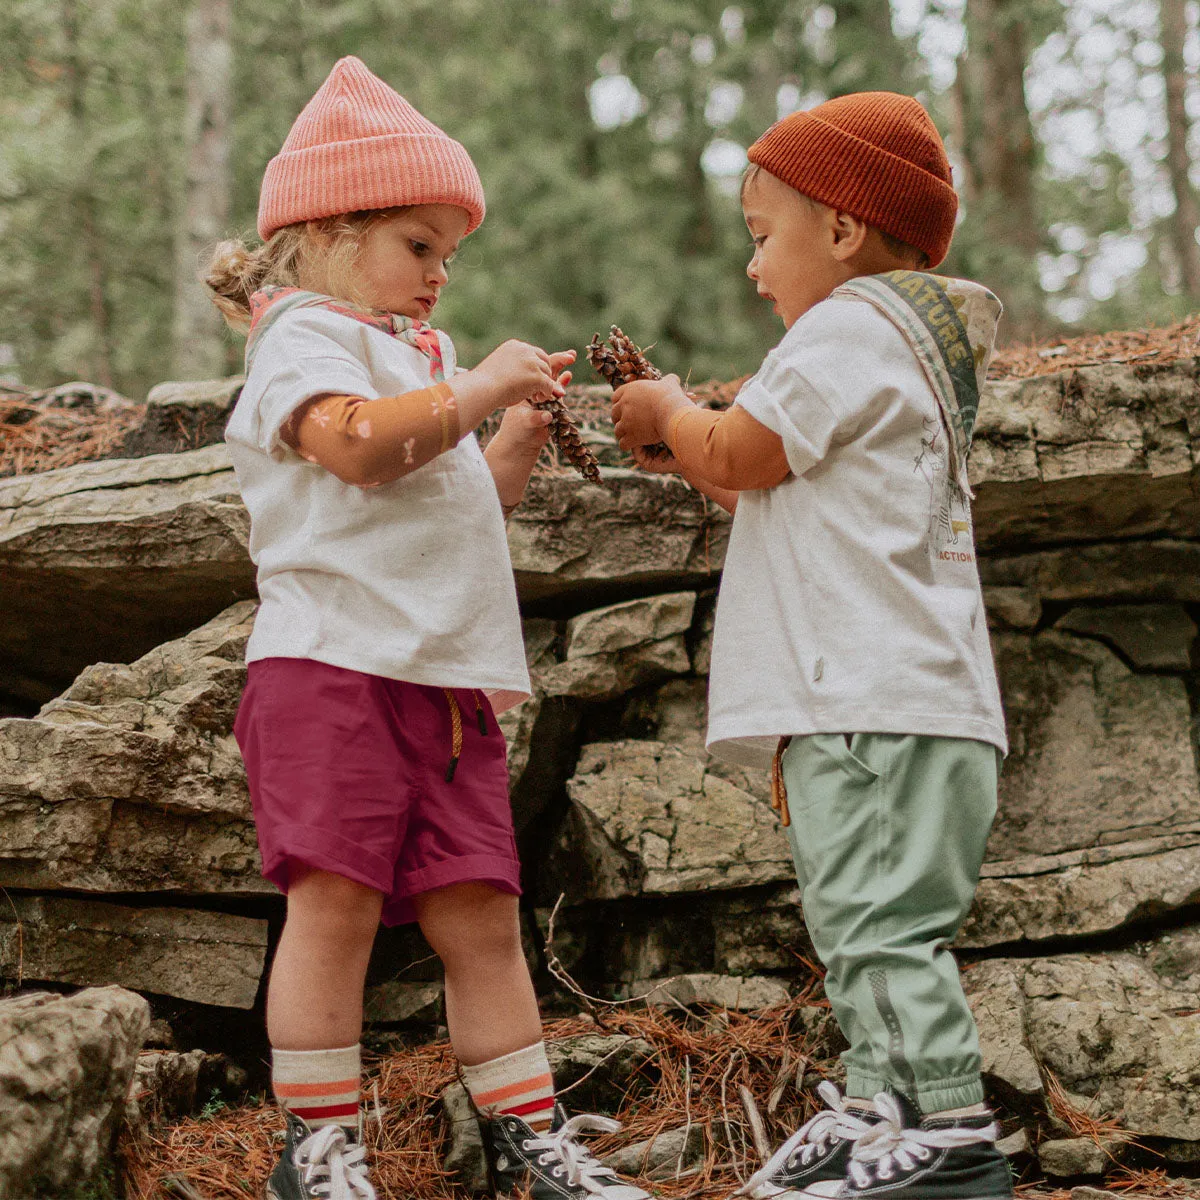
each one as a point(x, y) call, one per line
point(511, 462)
point(476, 395)
point(729, 451)
point(368, 442)
point(725, 497)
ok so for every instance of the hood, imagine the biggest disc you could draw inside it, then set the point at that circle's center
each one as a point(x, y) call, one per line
point(951, 326)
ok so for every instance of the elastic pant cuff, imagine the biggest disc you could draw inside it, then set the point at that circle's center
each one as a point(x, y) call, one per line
point(932, 1097)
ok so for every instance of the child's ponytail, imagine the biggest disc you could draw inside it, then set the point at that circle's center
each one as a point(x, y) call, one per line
point(235, 271)
point(318, 255)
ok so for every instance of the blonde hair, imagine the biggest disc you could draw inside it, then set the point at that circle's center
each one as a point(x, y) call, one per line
point(319, 256)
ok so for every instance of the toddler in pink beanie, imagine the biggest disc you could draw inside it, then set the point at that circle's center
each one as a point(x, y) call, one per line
point(388, 634)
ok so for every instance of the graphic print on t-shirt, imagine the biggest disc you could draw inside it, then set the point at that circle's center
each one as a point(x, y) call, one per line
point(950, 536)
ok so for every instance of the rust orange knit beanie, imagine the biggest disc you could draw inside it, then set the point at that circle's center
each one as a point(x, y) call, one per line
point(875, 155)
point(360, 145)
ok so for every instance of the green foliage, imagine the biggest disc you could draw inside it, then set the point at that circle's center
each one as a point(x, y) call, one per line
point(587, 225)
point(215, 1104)
point(88, 166)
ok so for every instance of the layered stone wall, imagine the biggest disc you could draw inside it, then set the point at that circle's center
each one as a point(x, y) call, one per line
point(124, 816)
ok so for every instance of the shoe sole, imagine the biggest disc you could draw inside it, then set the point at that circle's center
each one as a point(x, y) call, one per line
point(811, 1195)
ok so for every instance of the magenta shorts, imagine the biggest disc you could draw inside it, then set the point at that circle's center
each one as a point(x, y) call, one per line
point(347, 774)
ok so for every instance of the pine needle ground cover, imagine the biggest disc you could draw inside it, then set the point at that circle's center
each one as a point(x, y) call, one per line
point(740, 1078)
point(60, 426)
point(694, 1079)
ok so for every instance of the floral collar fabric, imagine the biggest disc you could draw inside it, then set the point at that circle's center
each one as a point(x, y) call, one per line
point(269, 304)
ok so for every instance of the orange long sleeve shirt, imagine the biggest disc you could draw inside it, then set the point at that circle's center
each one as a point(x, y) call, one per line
point(729, 449)
point(369, 442)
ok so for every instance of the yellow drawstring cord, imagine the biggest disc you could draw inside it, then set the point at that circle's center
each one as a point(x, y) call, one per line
point(455, 734)
point(456, 727)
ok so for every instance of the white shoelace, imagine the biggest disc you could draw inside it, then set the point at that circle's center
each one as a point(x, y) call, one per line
point(332, 1170)
point(835, 1122)
point(888, 1146)
point(575, 1161)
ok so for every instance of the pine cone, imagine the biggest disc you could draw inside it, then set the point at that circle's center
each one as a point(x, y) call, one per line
point(618, 360)
point(566, 436)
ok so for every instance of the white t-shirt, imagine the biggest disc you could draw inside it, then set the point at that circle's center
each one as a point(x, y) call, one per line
point(411, 580)
point(850, 600)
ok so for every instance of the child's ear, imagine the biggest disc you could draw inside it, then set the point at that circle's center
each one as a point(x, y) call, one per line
point(849, 235)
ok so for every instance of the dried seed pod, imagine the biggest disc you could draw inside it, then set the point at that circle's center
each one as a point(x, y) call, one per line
point(619, 360)
point(566, 436)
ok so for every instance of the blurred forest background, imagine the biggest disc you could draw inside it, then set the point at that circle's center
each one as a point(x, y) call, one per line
point(610, 135)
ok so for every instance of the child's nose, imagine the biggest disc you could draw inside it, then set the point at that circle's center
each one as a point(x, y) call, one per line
point(752, 268)
point(438, 275)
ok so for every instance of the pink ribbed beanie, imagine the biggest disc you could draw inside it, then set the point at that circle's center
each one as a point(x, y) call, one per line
point(360, 145)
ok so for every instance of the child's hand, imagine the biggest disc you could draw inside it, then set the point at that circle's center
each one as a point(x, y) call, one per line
point(642, 410)
point(524, 427)
point(560, 360)
point(518, 371)
point(523, 431)
point(513, 372)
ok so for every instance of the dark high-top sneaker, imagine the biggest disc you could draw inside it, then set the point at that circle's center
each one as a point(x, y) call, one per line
point(816, 1153)
point(905, 1157)
point(319, 1164)
point(551, 1165)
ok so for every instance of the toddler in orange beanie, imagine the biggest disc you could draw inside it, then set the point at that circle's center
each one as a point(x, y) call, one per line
point(851, 651)
point(388, 615)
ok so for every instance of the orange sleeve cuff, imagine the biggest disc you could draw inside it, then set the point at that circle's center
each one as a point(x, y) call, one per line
point(729, 449)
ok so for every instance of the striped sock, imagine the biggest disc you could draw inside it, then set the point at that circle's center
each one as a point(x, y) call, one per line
point(517, 1085)
point(319, 1086)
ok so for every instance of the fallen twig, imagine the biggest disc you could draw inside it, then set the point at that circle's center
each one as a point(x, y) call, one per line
point(687, 1108)
point(555, 967)
point(180, 1186)
point(758, 1131)
point(733, 1154)
point(781, 1081)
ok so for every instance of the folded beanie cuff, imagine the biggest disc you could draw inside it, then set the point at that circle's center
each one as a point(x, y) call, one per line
point(836, 168)
point(387, 171)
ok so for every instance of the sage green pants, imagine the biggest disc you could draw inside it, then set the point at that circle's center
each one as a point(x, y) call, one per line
point(888, 834)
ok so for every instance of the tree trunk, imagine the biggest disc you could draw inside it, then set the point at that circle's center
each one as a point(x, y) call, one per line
point(964, 134)
point(84, 201)
point(1183, 222)
point(1001, 153)
point(197, 342)
point(1006, 151)
point(869, 55)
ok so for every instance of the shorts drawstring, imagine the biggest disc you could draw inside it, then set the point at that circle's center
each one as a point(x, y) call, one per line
point(456, 728)
point(779, 797)
point(455, 733)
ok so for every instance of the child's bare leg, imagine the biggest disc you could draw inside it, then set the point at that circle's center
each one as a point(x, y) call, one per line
point(491, 1008)
point(315, 996)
